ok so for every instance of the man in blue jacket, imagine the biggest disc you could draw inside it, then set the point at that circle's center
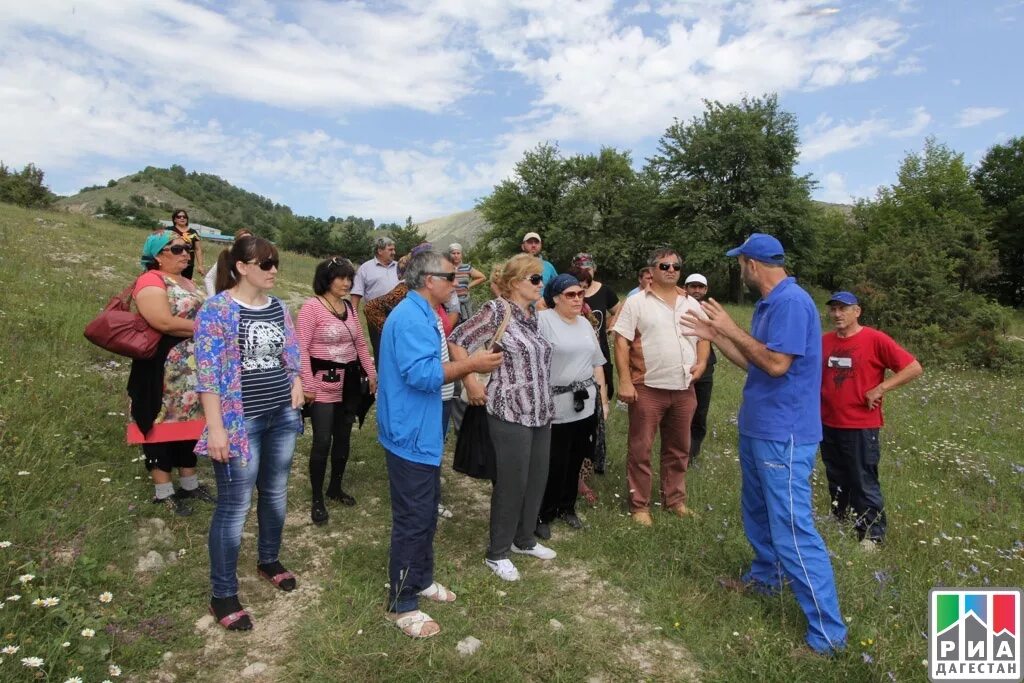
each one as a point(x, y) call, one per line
point(412, 367)
point(780, 427)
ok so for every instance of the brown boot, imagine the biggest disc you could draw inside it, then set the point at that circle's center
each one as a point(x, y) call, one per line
point(642, 517)
point(681, 510)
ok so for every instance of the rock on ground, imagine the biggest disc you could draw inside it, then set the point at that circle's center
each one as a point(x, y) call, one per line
point(254, 669)
point(468, 645)
point(150, 562)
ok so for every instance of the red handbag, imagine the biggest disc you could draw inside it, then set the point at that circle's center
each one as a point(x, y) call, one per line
point(120, 330)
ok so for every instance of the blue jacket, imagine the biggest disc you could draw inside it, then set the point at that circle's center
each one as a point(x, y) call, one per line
point(410, 375)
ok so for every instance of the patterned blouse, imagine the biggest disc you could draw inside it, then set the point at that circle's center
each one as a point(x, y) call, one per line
point(219, 364)
point(520, 389)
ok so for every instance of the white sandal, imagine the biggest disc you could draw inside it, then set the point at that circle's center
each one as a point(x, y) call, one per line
point(437, 593)
point(412, 624)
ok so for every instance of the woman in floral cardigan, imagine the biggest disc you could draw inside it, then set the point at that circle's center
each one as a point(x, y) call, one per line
point(248, 380)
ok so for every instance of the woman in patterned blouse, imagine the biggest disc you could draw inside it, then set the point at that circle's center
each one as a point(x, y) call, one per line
point(519, 410)
point(248, 365)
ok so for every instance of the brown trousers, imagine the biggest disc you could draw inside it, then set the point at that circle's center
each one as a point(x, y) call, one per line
point(672, 411)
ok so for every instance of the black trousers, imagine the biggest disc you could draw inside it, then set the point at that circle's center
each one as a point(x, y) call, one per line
point(699, 424)
point(571, 442)
point(851, 465)
point(374, 342)
point(332, 433)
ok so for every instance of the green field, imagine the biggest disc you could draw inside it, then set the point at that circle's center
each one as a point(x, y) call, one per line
point(619, 604)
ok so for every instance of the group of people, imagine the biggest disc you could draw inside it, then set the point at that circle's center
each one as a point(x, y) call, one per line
point(233, 377)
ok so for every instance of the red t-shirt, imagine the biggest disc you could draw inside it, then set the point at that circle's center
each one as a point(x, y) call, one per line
point(851, 366)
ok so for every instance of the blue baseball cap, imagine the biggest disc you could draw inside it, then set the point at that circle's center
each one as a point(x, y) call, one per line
point(761, 247)
point(844, 298)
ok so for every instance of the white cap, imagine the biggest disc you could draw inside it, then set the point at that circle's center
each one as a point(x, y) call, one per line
point(696, 277)
point(532, 236)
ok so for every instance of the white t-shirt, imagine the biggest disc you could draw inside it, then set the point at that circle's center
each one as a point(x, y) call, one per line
point(573, 358)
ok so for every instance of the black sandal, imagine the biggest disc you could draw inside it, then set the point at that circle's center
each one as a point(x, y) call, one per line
point(230, 614)
point(275, 573)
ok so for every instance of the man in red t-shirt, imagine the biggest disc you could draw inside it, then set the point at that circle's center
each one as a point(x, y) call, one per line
point(854, 359)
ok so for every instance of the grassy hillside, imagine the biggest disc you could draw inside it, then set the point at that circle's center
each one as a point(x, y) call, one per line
point(619, 603)
point(90, 201)
point(464, 227)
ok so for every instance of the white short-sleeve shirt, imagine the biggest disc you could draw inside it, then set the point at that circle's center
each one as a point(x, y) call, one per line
point(661, 349)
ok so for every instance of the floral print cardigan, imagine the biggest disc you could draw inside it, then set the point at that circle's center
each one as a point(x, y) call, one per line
point(219, 367)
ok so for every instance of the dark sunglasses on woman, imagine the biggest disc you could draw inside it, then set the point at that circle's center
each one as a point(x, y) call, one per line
point(266, 264)
point(177, 249)
point(535, 279)
point(573, 295)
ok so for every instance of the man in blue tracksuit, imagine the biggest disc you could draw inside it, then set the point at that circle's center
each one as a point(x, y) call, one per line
point(780, 427)
point(412, 367)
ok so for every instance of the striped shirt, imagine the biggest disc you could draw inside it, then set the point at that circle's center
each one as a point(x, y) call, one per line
point(261, 338)
point(323, 335)
point(447, 390)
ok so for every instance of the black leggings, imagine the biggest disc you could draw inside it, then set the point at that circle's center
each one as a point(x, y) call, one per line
point(332, 431)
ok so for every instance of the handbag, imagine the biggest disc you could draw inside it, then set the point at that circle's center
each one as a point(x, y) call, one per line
point(485, 377)
point(120, 330)
point(474, 450)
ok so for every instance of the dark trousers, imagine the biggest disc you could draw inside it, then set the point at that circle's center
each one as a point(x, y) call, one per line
point(851, 464)
point(571, 442)
point(374, 342)
point(332, 432)
point(699, 425)
point(415, 493)
point(522, 462)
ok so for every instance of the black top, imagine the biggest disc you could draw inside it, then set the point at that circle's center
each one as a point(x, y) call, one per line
point(191, 238)
point(603, 301)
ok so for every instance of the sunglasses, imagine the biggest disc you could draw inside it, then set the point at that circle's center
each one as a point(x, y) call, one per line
point(535, 279)
point(670, 266)
point(266, 264)
point(181, 215)
point(450, 277)
point(572, 295)
point(178, 249)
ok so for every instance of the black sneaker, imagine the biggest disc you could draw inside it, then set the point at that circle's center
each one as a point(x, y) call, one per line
point(543, 531)
point(341, 497)
point(176, 504)
point(201, 492)
point(571, 519)
point(319, 513)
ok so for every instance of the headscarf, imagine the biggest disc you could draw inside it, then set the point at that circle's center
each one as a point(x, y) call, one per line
point(557, 285)
point(583, 260)
point(403, 262)
point(153, 246)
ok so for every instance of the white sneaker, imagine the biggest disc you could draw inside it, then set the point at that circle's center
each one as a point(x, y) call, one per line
point(505, 570)
point(444, 512)
point(539, 551)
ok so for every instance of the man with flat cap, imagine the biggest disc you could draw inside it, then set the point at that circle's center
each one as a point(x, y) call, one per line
point(854, 361)
point(780, 427)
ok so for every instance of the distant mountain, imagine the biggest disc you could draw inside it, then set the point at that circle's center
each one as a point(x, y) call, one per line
point(464, 227)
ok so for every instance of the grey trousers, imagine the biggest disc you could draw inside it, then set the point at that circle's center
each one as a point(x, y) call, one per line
point(522, 455)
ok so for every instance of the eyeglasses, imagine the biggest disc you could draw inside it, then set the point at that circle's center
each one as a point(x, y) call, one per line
point(177, 249)
point(670, 266)
point(572, 295)
point(181, 215)
point(450, 277)
point(534, 279)
point(266, 264)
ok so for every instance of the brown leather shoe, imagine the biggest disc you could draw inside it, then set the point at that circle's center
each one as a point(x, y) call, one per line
point(642, 517)
point(682, 511)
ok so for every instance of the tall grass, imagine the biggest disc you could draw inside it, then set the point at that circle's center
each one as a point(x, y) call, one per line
point(627, 603)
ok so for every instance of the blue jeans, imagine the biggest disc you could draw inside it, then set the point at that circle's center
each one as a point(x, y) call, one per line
point(779, 523)
point(271, 442)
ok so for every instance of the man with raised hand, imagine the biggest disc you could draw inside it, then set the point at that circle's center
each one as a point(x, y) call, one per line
point(696, 285)
point(854, 360)
point(780, 427)
point(375, 278)
point(413, 367)
point(657, 360)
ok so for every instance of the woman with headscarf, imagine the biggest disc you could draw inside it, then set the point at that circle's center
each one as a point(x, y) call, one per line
point(519, 409)
point(167, 417)
point(330, 336)
point(577, 386)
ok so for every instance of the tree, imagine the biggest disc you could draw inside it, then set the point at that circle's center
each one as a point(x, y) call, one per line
point(728, 173)
point(25, 188)
point(999, 180)
point(405, 236)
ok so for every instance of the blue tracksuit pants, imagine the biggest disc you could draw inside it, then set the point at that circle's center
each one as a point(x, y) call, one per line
point(778, 520)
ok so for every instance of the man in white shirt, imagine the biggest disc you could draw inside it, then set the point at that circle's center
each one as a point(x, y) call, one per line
point(657, 360)
point(375, 278)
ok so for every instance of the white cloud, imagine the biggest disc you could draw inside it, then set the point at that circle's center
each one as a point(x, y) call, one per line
point(909, 65)
point(824, 137)
point(973, 116)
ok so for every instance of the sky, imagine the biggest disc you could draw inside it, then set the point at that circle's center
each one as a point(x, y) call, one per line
point(391, 109)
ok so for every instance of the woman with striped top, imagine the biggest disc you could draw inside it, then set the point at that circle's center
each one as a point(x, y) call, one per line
point(247, 361)
point(466, 277)
point(330, 336)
